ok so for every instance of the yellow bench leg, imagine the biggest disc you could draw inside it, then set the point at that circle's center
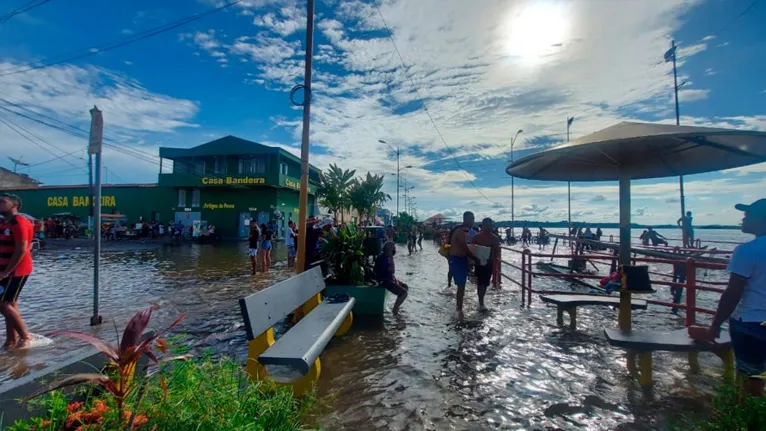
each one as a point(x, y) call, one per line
point(256, 370)
point(572, 311)
point(630, 362)
point(727, 356)
point(645, 363)
point(346, 325)
point(694, 364)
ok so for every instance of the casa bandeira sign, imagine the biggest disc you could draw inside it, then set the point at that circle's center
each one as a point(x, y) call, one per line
point(79, 201)
point(219, 181)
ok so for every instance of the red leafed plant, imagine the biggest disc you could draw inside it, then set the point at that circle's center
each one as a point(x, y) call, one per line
point(123, 357)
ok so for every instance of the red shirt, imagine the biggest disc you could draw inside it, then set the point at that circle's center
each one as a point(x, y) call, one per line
point(17, 227)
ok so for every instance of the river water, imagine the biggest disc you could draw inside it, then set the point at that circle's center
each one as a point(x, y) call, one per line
point(510, 369)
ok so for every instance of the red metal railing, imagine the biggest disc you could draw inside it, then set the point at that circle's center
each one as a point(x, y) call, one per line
point(692, 285)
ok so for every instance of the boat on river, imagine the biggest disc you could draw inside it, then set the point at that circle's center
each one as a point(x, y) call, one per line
point(553, 268)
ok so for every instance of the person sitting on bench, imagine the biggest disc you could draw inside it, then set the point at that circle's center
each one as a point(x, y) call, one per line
point(384, 275)
point(655, 237)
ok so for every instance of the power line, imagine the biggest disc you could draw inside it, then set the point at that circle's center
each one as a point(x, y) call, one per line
point(126, 41)
point(736, 18)
point(11, 125)
point(21, 9)
point(423, 102)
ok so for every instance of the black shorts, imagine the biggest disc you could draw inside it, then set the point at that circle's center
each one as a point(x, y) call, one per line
point(483, 274)
point(397, 289)
point(11, 288)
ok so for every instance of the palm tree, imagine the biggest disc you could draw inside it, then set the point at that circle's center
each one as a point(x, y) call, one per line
point(333, 188)
point(366, 196)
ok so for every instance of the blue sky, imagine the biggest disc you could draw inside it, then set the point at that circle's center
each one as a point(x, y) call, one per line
point(484, 73)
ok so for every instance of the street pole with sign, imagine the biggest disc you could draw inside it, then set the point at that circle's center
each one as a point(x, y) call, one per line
point(94, 148)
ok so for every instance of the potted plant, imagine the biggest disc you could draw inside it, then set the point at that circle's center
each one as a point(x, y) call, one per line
point(351, 271)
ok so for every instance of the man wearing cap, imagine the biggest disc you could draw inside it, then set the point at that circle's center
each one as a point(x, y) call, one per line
point(744, 301)
point(16, 234)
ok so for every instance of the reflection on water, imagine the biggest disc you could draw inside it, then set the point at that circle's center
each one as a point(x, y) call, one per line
point(510, 369)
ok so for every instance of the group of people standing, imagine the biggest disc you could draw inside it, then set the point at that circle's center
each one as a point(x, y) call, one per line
point(260, 246)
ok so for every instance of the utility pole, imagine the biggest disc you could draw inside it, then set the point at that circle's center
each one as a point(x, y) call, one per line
point(569, 187)
point(90, 192)
point(94, 148)
point(304, 195)
point(397, 152)
point(513, 200)
point(672, 53)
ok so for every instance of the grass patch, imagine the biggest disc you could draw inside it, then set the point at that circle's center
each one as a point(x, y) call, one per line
point(202, 394)
point(728, 412)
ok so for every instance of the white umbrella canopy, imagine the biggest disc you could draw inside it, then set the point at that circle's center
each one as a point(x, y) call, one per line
point(629, 150)
point(644, 150)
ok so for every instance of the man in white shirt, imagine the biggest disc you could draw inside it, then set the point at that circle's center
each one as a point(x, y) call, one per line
point(744, 301)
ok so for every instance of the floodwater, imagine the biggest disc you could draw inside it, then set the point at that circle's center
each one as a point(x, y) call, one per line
point(424, 370)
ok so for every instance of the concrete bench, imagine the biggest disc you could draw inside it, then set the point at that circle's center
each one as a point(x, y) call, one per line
point(643, 343)
point(299, 348)
point(569, 303)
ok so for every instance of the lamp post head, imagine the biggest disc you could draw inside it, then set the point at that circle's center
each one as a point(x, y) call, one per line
point(520, 131)
point(382, 141)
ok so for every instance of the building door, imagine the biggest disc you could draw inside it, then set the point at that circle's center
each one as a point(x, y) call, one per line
point(188, 217)
point(244, 224)
point(262, 217)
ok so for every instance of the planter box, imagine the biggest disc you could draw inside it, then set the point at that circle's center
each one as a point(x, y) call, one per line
point(370, 300)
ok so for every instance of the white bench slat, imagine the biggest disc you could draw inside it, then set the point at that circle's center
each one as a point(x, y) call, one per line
point(303, 343)
point(673, 341)
point(265, 308)
point(586, 300)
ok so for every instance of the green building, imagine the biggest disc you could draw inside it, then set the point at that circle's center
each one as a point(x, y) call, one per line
point(226, 182)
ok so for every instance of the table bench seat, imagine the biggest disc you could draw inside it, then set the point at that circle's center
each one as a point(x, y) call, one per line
point(645, 342)
point(569, 303)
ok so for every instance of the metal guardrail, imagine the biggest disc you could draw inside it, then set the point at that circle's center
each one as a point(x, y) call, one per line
point(692, 285)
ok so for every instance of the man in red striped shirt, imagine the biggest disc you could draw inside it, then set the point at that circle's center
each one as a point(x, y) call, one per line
point(16, 234)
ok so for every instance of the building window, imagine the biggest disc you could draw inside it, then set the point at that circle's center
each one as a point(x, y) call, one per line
point(283, 168)
point(195, 198)
point(252, 165)
point(181, 198)
point(199, 167)
point(220, 165)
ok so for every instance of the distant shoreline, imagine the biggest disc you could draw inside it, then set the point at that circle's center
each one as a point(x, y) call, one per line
point(563, 225)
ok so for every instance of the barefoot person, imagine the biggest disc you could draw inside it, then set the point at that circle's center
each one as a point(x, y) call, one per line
point(16, 233)
point(485, 238)
point(459, 253)
point(743, 303)
point(384, 275)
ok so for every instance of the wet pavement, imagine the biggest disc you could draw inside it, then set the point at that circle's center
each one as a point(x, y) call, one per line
point(512, 368)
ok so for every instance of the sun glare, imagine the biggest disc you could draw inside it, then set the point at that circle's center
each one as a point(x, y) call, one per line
point(536, 28)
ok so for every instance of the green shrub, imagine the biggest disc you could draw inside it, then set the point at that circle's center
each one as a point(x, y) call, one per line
point(196, 395)
point(730, 412)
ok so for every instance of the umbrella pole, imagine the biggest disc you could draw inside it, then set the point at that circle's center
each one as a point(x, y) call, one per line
point(624, 316)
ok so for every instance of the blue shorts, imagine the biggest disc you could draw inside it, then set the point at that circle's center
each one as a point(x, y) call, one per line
point(290, 251)
point(748, 339)
point(459, 268)
point(265, 245)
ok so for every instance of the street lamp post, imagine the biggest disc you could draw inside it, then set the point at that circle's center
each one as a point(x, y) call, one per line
point(396, 151)
point(513, 212)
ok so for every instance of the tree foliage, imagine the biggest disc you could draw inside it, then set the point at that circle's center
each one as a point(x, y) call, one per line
point(366, 195)
point(334, 187)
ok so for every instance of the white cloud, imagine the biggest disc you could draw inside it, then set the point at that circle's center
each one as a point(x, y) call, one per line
point(710, 71)
point(70, 91)
point(285, 21)
point(691, 95)
point(708, 38)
